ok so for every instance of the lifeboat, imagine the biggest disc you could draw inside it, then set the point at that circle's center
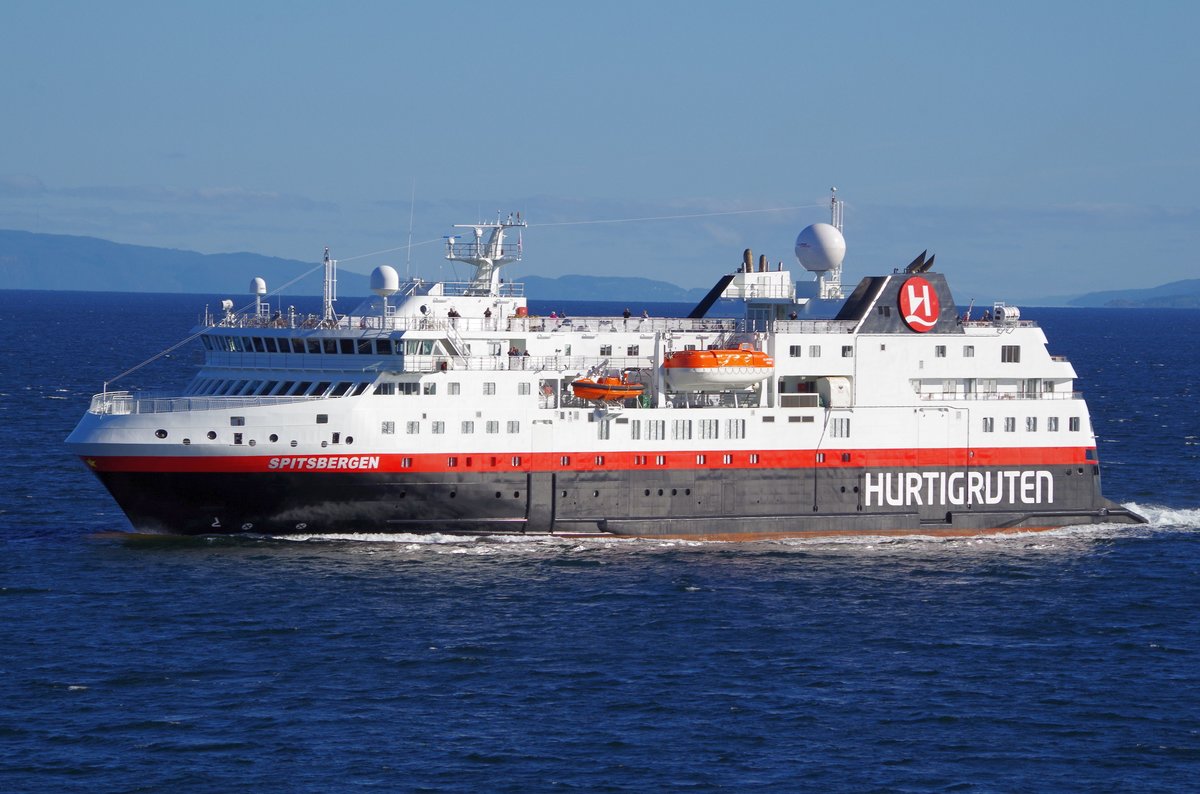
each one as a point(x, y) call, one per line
point(606, 390)
point(712, 370)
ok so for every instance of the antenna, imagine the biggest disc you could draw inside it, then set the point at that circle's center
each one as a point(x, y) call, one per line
point(835, 210)
point(330, 287)
point(411, 208)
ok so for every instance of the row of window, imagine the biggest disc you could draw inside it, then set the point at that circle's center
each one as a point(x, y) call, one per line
point(682, 429)
point(219, 387)
point(310, 345)
point(1031, 424)
point(814, 351)
point(439, 427)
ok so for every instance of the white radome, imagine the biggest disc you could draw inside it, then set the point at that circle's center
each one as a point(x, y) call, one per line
point(820, 247)
point(258, 286)
point(385, 281)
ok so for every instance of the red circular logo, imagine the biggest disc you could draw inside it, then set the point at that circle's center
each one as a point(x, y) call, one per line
point(919, 304)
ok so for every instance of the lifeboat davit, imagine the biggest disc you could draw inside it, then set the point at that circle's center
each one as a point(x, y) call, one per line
point(606, 390)
point(711, 370)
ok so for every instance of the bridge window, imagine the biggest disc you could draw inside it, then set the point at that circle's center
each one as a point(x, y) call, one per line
point(347, 346)
point(383, 347)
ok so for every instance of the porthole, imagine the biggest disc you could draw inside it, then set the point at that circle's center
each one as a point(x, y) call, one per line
point(349, 439)
point(595, 493)
point(324, 444)
point(660, 491)
point(252, 442)
point(273, 438)
point(646, 492)
point(516, 494)
point(302, 525)
point(293, 442)
point(160, 433)
point(187, 441)
point(687, 491)
point(673, 492)
point(212, 435)
point(498, 494)
point(453, 494)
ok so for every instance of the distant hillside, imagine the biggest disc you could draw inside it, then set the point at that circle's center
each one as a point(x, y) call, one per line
point(1176, 295)
point(64, 262)
point(609, 288)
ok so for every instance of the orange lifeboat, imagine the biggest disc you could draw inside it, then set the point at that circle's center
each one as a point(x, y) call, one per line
point(606, 389)
point(710, 370)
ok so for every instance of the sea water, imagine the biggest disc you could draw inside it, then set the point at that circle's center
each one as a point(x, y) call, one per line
point(1063, 660)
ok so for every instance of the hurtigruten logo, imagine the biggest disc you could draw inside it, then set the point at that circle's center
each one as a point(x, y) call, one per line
point(921, 488)
point(919, 304)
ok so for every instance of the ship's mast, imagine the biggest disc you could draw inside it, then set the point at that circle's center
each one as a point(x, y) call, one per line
point(830, 282)
point(330, 287)
point(488, 256)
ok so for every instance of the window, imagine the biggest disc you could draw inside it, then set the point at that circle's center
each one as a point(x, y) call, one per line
point(814, 351)
point(514, 426)
point(606, 350)
point(1073, 424)
point(656, 429)
point(989, 424)
point(700, 459)
point(660, 460)
point(388, 428)
point(632, 350)
point(454, 388)
point(468, 427)
point(727, 459)
point(237, 421)
point(406, 463)
point(322, 419)
point(1010, 424)
point(820, 457)
point(735, 428)
point(840, 427)
point(412, 428)
point(1010, 354)
point(939, 351)
point(599, 460)
point(492, 426)
point(847, 351)
point(795, 350)
point(383, 347)
point(968, 351)
point(1052, 424)
point(429, 388)
point(754, 457)
point(451, 462)
point(708, 427)
point(385, 388)
point(1031, 424)
point(565, 460)
point(489, 387)
point(365, 347)
point(347, 346)
point(437, 428)
point(604, 430)
point(270, 340)
point(681, 429)
point(524, 388)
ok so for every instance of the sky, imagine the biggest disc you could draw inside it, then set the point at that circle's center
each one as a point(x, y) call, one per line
point(1039, 149)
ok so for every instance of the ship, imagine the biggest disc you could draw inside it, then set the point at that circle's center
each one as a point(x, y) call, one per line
point(447, 407)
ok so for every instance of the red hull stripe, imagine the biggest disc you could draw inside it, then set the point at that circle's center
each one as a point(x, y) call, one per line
point(603, 461)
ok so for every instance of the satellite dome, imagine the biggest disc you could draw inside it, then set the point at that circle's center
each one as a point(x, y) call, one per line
point(820, 247)
point(385, 281)
point(258, 286)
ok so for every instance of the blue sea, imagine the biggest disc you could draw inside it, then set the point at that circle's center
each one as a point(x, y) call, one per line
point(1058, 661)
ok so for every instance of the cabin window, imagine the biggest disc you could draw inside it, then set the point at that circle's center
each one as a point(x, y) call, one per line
point(516, 460)
point(412, 428)
point(660, 460)
point(656, 429)
point(453, 388)
point(1073, 424)
point(322, 419)
point(524, 388)
point(406, 463)
point(489, 387)
point(565, 460)
point(989, 424)
point(437, 428)
point(606, 350)
point(681, 429)
point(492, 426)
point(847, 351)
point(1010, 354)
point(599, 460)
point(1010, 424)
point(429, 388)
point(451, 462)
point(514, 426)
point(337, 438)
point(727, 459)
point(347, 346)
point(795, 351)
point(840, 427)
point(468, 427)
point(237, 438)
point(383, 347)
point(939, 351)
point(968, 351)
point(754, 457)
point(1031, 424)
point(735, 428)
point(632, 350)
point(1052, 424)
point(237, 421)
point(365, 348)
point(708, 427)
point(814, 351)
point(604, 430)
point(820, 457)
point(635, 429)
point(387, 428)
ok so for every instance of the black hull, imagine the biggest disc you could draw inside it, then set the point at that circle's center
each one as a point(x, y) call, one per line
point(726, 503)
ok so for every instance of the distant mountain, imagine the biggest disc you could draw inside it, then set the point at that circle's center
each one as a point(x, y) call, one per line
point(64, 262)
point(611, 288)
point(1176, 295)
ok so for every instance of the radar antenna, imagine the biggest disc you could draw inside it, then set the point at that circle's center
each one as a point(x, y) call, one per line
point(488, 256)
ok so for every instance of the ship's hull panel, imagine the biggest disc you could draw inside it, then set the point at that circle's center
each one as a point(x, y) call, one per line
point(704, 503)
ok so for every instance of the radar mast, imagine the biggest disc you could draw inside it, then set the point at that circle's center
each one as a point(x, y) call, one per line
point(489, 255)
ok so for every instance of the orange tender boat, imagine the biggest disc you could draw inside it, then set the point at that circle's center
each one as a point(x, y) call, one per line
point(702, 370)
point(607, 389)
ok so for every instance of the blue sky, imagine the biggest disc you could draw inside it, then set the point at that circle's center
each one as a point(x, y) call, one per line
point(1037, 148)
